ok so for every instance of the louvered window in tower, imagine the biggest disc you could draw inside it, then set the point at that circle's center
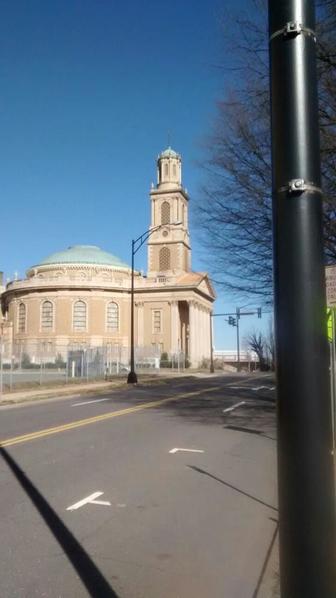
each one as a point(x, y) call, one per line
point(112, 317)
point(79, 315)
point(22, 318)
point(164, 259)
point(165, 213)
point(47, 315)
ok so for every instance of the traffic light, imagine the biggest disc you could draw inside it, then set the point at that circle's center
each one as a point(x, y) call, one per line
point(259, 312)
point(232, 321)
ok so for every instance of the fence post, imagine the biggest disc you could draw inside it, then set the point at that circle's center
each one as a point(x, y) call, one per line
point(11, 373)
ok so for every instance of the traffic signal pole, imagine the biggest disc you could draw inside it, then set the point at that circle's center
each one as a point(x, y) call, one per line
point(238, 343)
point(232, 322)
point(305, 462)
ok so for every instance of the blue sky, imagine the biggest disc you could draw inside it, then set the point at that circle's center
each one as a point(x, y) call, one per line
point(91, 89)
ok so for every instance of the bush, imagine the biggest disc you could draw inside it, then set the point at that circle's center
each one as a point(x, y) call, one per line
point(25, 360)
point(59, 361)
point(165, 361)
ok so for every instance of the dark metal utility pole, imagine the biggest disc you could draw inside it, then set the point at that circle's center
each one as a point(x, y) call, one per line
point(132, 377)
point(305, 460)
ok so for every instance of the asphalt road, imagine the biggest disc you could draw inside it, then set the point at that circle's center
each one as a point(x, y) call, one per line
point(179, 525)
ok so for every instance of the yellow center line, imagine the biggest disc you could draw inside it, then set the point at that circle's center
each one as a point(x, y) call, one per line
point(97, 418)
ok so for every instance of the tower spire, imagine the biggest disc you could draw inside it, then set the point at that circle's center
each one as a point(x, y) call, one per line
point(169, 250)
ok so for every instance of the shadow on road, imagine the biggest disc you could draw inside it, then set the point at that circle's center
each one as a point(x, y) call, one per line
point(209, 408)
point(204, 472)
point(95, 583)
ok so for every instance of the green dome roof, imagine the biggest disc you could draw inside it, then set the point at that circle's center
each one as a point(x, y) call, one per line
point(84, 254)
point(169, 153)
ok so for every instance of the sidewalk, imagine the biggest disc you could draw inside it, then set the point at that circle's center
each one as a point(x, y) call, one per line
point(70, 390)
point(75, 389)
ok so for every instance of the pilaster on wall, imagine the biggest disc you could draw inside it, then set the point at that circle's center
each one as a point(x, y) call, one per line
point(199, 333)
point(192, 334)
point(140, 328)
point(174, 326)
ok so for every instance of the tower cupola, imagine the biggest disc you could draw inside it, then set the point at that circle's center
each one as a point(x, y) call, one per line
point(169, 251)
point(169, 171)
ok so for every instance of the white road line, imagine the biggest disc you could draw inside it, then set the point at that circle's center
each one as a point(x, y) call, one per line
point(240, 387)
point(264, 388)
point(88, 402)
point(234, 407)
point(89, 500)
point(175, 450)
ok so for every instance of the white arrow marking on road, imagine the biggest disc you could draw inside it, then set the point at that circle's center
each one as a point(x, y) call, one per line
point(175, 450)
point(88, 402)
point(239, 387)
point(234, 407)
point(89, 500)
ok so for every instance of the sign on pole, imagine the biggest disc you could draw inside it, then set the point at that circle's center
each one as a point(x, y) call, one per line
point(331, 285)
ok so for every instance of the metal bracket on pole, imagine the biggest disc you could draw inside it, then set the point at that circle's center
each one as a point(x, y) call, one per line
point(295, 186)
point(292, 29)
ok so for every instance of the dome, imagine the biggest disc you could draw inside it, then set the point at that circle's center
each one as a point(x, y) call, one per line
point(169, 153)
point(84, 254)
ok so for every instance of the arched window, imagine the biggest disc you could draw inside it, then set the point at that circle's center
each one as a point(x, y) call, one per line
point(79, 315)
point(112, 317)
point(165, 213)
point(174, 170)
point(22, 313)
point(47, 315)
point(166, 169)
point(164, 259)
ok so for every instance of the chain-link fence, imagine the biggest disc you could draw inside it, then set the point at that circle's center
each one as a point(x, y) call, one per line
point(32, 364)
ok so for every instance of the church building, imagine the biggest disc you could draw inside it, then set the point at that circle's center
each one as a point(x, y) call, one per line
point(81, 297)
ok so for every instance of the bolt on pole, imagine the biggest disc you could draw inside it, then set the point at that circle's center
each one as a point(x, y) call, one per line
point(305, 462)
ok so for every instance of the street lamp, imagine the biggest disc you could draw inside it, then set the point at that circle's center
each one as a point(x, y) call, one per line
point(136, 244)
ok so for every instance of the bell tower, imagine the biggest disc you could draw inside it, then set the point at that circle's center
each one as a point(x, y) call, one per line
point(169, 251)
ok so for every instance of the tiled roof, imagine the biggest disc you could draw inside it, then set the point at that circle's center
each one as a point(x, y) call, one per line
point(190, 278)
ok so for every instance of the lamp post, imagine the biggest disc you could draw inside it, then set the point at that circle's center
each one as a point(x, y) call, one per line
point(136, 244)
point(307, 524)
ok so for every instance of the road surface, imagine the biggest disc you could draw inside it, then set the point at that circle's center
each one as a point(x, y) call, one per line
point(96, 500)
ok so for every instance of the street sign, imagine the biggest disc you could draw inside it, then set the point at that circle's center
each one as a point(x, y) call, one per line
point(330, 324)
point(331, 285)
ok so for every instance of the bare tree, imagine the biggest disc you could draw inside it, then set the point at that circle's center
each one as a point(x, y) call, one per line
point(270, 346)
point(257, 343)
point(234, 211)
